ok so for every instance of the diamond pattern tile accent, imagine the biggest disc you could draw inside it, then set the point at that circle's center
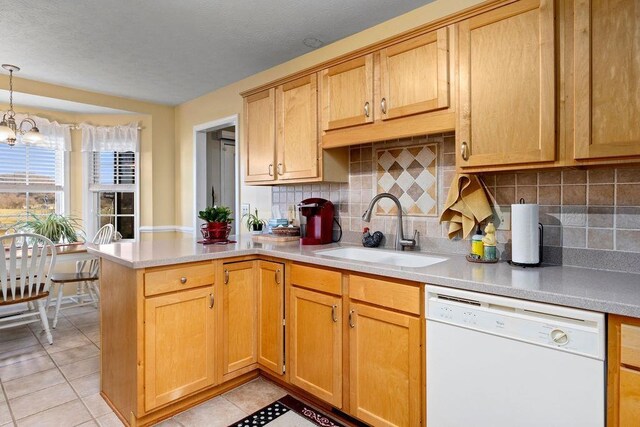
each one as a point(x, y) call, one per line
point(408, 173)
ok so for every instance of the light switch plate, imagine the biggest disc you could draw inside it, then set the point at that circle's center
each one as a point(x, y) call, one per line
point(245, 209)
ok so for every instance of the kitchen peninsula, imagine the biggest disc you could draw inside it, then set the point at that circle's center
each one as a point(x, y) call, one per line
point(182, 322)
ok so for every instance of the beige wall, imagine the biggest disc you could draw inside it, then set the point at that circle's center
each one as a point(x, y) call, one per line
point(226, 101)
point(157, 188)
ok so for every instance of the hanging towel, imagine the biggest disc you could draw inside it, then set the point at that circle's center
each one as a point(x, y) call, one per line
point(466, 205)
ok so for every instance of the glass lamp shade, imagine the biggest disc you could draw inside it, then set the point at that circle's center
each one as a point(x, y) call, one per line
point(33, 135)
point(6, 132)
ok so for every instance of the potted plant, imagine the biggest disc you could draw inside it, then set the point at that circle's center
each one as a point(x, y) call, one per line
point(60, 229)
point(218, 223)
point(253, 222)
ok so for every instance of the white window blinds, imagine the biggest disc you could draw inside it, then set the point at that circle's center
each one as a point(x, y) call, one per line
point(30, 168)
point(113, 171)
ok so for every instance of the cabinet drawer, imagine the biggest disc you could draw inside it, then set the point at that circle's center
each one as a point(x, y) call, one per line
point(385, 293)
point(630, 345)
point(317, 278)
point(178, 277)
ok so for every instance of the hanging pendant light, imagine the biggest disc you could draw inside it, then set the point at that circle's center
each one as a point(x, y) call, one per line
point(9, 130)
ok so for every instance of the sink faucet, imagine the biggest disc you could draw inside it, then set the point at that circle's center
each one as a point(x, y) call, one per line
point(401, 242)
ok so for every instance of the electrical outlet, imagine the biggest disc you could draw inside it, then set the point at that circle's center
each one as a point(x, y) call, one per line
point(245, 209)
point(505, 218)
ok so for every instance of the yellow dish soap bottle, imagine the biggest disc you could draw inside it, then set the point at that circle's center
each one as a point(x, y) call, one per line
point(477, 246)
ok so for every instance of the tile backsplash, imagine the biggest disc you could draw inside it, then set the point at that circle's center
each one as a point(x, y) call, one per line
point(591, 217)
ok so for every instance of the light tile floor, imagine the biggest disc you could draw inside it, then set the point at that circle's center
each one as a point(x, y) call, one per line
point(59, 384)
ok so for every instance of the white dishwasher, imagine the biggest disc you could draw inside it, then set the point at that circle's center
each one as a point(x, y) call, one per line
point(501, 362)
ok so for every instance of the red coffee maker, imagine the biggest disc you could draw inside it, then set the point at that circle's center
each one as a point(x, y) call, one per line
point(316, 221)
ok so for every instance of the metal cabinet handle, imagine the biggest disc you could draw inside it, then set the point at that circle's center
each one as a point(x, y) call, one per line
point(279, 168)
point(183, 280)
point(366, 109)
point(334, 315)
point(211, 300)
point(226, 277)
point(383, 105)
point(464, 151)
point(270, 169)
point(278, 277)
point(351, 319)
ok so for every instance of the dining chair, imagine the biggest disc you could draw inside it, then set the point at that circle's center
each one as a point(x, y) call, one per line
point(86, 278)
point(25, 278)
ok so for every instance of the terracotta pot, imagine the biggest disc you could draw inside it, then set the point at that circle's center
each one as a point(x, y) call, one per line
point(215, 231)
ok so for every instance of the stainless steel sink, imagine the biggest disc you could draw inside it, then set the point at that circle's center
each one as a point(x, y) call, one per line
point(380, 256)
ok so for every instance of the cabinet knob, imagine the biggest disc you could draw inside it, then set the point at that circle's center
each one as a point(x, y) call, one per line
point(366, 109)
point(211, 300)
point(278, 277)
point(226, 277)
point(183, 280)
point(270, 169)
point(383, 105)
point(279, 169)
point(464, 151)
point(334, 315)
point(352, 319)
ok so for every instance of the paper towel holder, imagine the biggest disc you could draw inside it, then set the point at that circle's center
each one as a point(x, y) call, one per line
point(540, 246)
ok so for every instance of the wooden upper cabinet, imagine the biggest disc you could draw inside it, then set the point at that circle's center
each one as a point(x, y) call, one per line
point(240, 315)
point(607, 78)
point(506, 111)
point(271, 316)
point(347, 94)
point(297, 129)
point(414, 76)
point(260, 137)
point(173, 323)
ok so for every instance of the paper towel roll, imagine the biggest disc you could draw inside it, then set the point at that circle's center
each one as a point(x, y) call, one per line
point(525, 237)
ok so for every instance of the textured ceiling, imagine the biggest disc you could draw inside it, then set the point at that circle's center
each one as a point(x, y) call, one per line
point(170, 51)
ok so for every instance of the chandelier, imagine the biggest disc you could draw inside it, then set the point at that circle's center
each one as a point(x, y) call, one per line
point(8, 128)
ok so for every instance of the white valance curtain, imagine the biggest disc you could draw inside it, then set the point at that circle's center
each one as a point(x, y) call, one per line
point(110, 138)
point(55, 136)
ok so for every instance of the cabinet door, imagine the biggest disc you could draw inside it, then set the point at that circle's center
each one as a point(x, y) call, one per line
point(629, 397)
point(347, 94)
point(297, 128)
point(507, 86)
point(607, 78)
point(260, 137)
point(388, 344)
point(179, 345)
point(414, 76)
point(271, 316)
point(239, 314)
point(315, 342)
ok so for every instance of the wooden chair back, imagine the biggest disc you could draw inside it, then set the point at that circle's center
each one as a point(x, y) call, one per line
point(102, 237)
point(26, 272)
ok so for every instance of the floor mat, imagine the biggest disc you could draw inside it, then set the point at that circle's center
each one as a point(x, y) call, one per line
point(287, 412)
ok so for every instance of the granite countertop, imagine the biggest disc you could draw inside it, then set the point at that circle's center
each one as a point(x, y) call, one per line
point(597, 290)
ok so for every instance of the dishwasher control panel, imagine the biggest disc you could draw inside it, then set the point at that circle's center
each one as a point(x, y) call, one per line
point(572, 330)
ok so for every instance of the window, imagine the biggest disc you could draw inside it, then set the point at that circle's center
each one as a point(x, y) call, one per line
point(32, 181)
point(112, 187)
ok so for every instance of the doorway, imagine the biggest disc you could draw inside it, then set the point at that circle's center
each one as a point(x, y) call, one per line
point(216, 175)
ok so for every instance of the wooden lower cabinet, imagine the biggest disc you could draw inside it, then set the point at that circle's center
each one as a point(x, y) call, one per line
point(179, 333)
point(271, 316)
point(315, 334)
point(623, 372)
point(239, 317)
point(385, 373)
